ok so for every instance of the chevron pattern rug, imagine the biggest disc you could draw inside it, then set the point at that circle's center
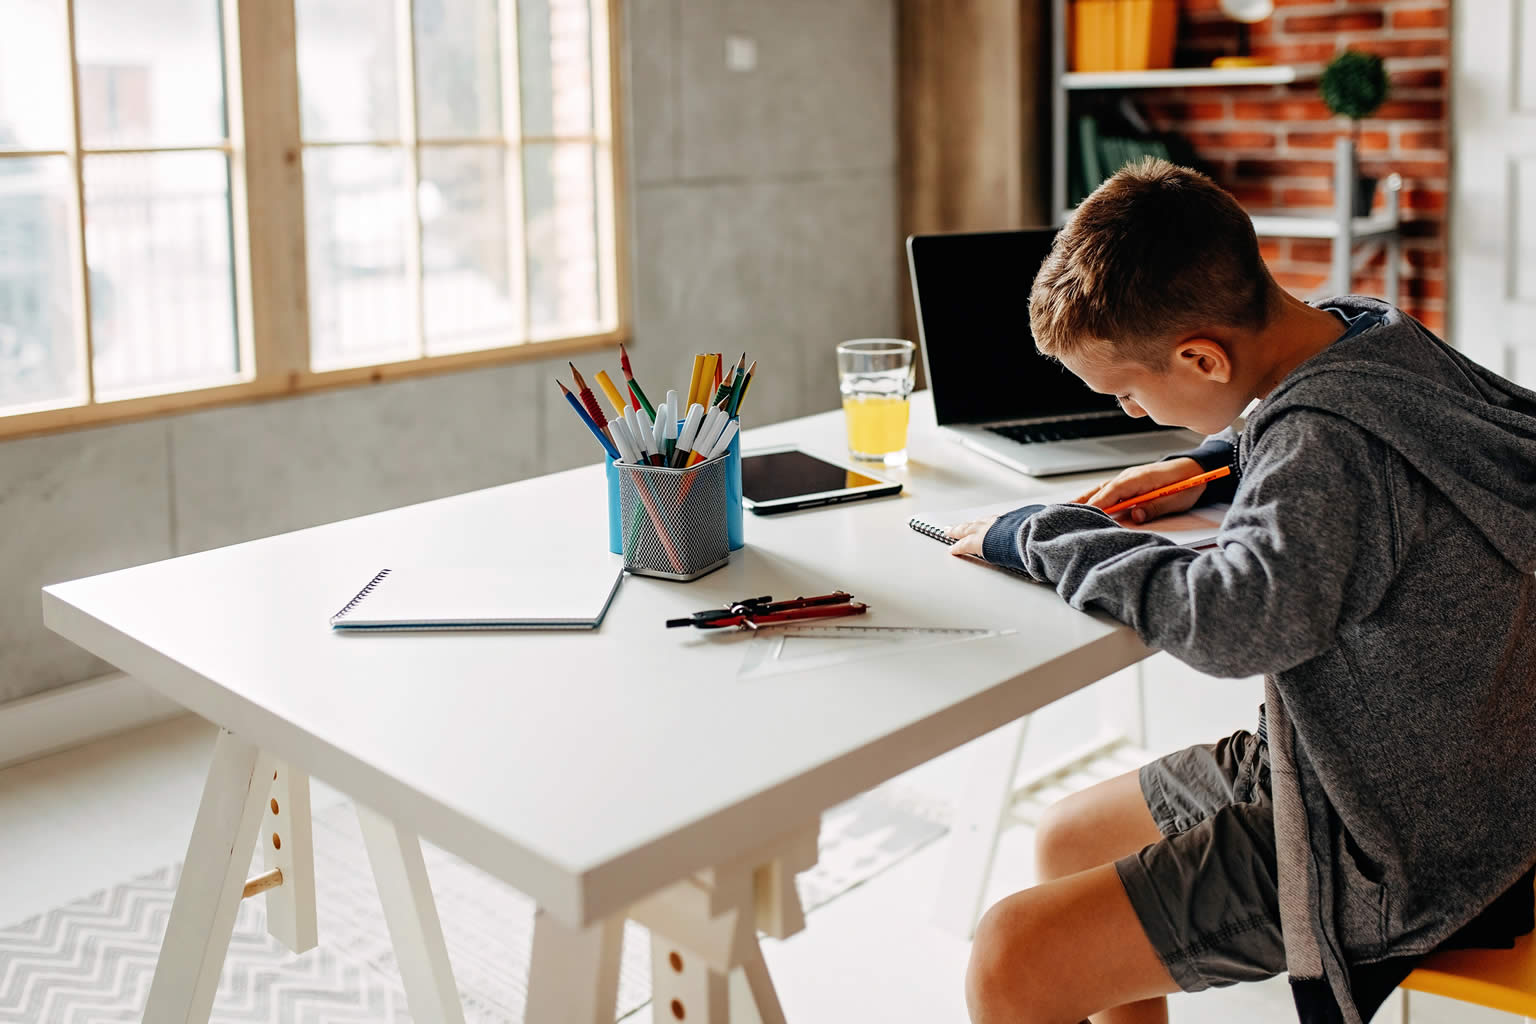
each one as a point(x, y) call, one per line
point(92, 961)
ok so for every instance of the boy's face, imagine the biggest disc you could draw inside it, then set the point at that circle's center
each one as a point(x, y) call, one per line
point(1195, 390)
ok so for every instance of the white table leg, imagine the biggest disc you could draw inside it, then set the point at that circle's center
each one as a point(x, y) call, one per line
point(759, 1004)
point(684, 987)
point(212, 879)
point(574, 976)
point(414, 929)
point(290, 906)
point(979, 820)
point(707, 965)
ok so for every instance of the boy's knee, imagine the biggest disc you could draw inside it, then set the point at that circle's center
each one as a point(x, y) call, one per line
point(1001, 982)
point(1064, 842)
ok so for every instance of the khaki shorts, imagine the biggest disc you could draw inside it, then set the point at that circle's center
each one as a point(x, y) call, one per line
point(1206, 892)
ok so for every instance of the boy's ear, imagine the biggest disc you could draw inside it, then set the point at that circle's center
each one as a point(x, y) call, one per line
point(1205, 357)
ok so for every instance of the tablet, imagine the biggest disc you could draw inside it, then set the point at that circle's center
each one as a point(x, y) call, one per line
point(785, 479)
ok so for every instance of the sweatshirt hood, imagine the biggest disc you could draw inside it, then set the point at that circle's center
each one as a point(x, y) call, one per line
point(1469, 432)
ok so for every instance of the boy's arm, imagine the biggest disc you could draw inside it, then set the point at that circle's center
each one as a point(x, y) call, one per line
point(1307, 548)
point(1214, 452)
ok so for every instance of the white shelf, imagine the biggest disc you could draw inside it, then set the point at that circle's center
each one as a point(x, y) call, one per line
point(1292, 226)
point(1169, 78)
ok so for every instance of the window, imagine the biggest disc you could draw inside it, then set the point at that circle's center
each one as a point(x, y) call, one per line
point(191, 214)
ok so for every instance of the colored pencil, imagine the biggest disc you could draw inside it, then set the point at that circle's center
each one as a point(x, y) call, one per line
point(706, 375)
point(745, 386)
point(729, 378)
point(636, 392)
point(693, 384)
point(641, 401)
point(737, 384)
point(1175, 488)
point(597, 432)
point(589, 401)
point(614, 398)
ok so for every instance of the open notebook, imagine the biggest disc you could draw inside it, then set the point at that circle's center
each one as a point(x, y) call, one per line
point(1196, 528)
point(510, 597)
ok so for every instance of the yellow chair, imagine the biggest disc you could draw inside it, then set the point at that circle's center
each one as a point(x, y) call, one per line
point(1501, 979)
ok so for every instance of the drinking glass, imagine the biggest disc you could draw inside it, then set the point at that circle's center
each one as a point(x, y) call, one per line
point(876, 377)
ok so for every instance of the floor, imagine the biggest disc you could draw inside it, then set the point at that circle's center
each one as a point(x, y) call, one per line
point(86, 818)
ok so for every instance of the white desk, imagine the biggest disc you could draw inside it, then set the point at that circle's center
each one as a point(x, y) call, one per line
point(622, 772)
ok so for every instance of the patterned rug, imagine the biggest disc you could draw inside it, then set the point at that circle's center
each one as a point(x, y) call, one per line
point(93, 959)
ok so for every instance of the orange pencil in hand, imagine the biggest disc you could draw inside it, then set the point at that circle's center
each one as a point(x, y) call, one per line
point(1175, 488)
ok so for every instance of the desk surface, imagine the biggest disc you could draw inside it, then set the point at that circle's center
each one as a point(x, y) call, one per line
point(590, 769)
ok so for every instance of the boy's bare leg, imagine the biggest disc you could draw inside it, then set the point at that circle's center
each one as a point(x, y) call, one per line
point(1060, 951)
point(1074, 944)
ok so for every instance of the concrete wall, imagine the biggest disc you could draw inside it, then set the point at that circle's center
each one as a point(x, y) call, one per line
point(764, 218)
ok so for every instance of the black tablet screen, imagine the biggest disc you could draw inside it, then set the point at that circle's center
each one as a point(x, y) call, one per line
point(771, 476)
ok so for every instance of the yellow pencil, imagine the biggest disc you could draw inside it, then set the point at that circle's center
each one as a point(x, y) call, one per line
point(707, 378)
point(693, 385)
point(614, 397)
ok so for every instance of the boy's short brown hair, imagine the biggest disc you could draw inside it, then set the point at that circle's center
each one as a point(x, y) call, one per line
point(1155, 252)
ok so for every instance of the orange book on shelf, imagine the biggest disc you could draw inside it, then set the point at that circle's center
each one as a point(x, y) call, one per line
point(1146, 31)
point(1092, 28)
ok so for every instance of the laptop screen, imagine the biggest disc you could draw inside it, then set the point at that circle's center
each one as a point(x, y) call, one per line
point(972, 292)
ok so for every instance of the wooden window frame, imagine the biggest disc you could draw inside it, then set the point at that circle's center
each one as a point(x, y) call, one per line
point(265, 151)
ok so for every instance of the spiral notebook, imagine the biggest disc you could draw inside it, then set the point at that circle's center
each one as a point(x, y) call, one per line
point(511, 597)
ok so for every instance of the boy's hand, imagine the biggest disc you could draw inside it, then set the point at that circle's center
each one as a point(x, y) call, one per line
point(1140, 480)
point(969, 537)
point(1130, 483)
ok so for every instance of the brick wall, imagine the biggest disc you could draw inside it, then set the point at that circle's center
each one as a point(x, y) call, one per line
point(1272, 145)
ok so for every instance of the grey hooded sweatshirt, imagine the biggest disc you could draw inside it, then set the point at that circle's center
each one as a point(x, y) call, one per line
point(1376, 567)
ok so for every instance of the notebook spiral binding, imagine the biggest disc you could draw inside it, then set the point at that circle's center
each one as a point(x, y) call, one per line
point(938, 533)
point(361, 594)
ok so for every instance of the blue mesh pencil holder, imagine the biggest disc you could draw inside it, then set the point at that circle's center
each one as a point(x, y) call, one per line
point(733, 516)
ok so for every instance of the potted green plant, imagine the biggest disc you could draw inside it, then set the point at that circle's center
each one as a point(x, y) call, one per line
point(1354, 85)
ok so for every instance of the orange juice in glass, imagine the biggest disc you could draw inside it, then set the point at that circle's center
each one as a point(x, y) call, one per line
point(875, 376)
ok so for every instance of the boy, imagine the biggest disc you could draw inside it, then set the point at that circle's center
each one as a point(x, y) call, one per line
point(1376, 566)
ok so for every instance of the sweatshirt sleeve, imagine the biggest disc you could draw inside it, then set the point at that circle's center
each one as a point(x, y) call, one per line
point(1214, 452)
point(1306, 550)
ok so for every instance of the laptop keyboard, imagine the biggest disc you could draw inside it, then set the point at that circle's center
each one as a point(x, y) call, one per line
point(1072, 430)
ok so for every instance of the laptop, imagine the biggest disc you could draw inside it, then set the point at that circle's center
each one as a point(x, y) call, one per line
point(991, 390)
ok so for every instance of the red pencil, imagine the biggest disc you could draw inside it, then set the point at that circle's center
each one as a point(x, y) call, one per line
point(629, 374)
point(589, 400)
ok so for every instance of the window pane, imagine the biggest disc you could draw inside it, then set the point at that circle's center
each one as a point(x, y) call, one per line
point(151, 72)
point(38, 361)
point(356, 207)
point(464, 250)
point(458, 81)
point(348, 86)
point(561, 197)
point(162, 291)
point(34, 84)
point(554, 42)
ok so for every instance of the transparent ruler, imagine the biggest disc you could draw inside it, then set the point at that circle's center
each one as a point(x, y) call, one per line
point(779, 650)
